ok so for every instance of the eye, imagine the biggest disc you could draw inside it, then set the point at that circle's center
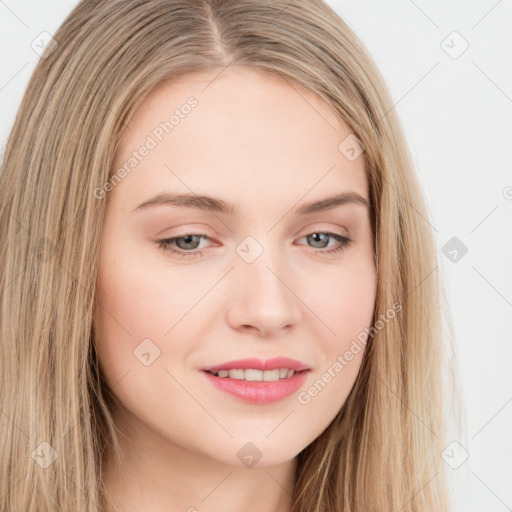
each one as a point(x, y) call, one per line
point(188, 240)
point(320, 237)
point(188, 244)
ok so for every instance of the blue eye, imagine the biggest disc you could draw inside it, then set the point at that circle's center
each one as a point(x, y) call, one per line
point(188, 239)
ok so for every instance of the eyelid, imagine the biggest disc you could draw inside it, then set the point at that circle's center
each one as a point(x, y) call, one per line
point(308, 230)
point(342, 242)
point(316, 227)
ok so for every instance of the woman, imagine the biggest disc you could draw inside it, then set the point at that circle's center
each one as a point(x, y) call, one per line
point(296, 345)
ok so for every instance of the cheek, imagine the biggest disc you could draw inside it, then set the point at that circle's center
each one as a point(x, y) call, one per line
point(137, 301)
point(126, 313)
point(345, 308)
point(144, 299)
point(346, 300)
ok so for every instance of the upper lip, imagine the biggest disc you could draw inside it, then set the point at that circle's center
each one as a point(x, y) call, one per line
point(259, 364)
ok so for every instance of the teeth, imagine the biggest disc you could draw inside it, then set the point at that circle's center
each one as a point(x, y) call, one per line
point(257, 375)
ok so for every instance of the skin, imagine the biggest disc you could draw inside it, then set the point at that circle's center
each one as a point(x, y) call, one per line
point(267, 145)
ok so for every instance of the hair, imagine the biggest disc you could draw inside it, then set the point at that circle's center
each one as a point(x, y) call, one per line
point(382, 451)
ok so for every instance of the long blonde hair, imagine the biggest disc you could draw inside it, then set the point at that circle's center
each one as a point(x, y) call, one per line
point(383, 450)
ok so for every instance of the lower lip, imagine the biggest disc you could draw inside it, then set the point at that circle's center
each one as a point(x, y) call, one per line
point(259, 392)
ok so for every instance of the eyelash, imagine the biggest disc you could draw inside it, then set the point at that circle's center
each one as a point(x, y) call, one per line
point(165, 244)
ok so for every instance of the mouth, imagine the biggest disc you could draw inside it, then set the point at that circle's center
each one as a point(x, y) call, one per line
point(254, 386)
point(254, 375)
point(255, 365)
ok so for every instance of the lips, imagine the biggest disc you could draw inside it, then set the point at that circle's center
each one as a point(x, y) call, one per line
point(259, 364)
point(258, 392)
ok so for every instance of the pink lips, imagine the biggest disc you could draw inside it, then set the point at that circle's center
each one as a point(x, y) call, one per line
point(259, 392)
point(260, 364)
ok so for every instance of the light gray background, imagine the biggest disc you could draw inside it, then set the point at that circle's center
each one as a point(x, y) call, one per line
point(456, 113)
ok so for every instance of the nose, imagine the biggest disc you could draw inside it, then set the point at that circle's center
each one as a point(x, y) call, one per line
point(263, 297)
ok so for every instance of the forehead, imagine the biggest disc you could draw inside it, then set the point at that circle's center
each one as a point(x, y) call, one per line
point(249, 132)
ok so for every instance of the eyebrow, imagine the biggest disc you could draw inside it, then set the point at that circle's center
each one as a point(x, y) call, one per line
point(212, 204)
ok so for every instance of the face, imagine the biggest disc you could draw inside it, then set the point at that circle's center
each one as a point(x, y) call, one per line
point(184, 285)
